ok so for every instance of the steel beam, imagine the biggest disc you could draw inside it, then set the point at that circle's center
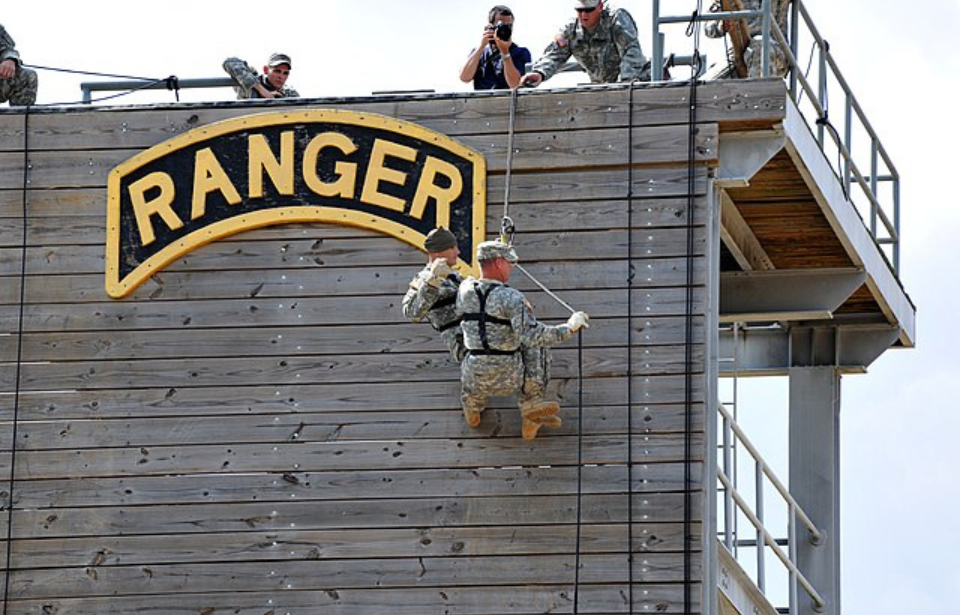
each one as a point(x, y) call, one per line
point(773, 350)
point(742, 154)
point(765, 296)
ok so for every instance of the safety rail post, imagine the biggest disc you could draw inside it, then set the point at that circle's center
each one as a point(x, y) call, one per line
point(758, 507)
point(733, 502)
point(792, 552)
point(728, 507)
point(656, 63)
point(765, 29)
point(848, 140)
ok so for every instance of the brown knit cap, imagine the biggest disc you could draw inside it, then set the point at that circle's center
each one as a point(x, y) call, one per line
point(439, 239)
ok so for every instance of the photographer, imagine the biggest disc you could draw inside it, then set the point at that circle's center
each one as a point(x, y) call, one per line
point(497, 63)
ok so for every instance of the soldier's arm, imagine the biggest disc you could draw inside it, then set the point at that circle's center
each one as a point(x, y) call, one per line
point(420, 298)
point(534, 333)
point(241, 72)
point(632, 61)
point(555, 55)
point(8, 49)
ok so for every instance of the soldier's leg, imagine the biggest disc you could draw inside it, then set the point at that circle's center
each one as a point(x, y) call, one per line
point(23, 87)
point(536, 411)
point(482, 377)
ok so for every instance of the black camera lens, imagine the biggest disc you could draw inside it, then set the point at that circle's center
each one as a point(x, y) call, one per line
point(503, 31)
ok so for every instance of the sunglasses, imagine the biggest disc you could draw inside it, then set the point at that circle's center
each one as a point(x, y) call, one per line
point(589, 10)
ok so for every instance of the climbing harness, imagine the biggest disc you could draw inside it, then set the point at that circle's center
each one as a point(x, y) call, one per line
point(483, 319)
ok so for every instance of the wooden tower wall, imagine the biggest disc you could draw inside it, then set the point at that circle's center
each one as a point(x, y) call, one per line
point(257, 429)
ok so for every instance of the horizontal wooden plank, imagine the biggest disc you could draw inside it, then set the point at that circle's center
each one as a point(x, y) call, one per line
point(313, 340)
point(356, 368)
point(374, 251)
point(647, 301)
point(526, 507)
point(501, 600)
point(318, 574)
point(339, 544)
point(553, 150)
point(645, 392)
point(651, 276)
point(465, 113)
point(305, 456)
point(309, 426)
point(658, 501)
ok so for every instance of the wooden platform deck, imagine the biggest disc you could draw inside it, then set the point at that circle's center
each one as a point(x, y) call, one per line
point(256, 429)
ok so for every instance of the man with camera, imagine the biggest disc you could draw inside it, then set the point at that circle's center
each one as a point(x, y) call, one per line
point(603, 41)
point(497, 63)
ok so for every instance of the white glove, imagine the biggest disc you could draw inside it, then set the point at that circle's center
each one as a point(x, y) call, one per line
point(439, 270)
point(577, 320)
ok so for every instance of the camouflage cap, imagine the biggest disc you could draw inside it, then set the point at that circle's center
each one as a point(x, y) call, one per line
point(277, 59)
point(439, 239)
point(585, 4)
point(489, 250)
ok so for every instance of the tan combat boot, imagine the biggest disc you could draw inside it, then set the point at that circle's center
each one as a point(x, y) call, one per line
point(537, 415)
point(472, 416)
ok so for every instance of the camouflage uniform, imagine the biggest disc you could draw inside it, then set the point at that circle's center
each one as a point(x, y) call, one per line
point(21, 89)
point(438, 304)
point(247, 76)
point(609, 53)
point(503, 340)
point(753, 54)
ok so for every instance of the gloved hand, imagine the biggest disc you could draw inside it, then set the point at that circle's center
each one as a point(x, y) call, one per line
point(439, 270)
point(577, 320)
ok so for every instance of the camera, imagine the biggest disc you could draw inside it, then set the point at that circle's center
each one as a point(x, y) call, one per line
point(503, 31)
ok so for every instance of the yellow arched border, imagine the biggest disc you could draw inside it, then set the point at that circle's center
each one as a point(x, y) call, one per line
point(117, 288)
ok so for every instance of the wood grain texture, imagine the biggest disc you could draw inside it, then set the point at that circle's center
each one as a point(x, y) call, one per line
point(258, 429)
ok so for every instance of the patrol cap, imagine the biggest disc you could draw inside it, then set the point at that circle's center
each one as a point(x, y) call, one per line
point(585, 4)
point(439, 239)
point(277, 59)
point(489, 250)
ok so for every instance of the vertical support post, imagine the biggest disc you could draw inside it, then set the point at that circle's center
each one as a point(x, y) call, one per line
point(761, 544)
point(873, 186)
point(656, 66)
point(848, 143)
point(729, 510)
point(792, 546)
point(896, 222)
point(815, 472)
point(710, 594)
point(794, 33)
point(822, 92)
point(765, 54)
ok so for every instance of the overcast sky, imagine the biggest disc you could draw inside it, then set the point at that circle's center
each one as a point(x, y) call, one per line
point(900, 422)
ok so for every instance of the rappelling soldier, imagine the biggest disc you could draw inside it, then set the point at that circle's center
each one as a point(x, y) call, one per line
point(503, 340)
point(433, 292)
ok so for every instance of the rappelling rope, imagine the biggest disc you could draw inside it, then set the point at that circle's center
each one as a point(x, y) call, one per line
point(507, 227)
point(172, 83)
point(693, 30)
point(16, 394)
point(507, 233)
point(631, 272)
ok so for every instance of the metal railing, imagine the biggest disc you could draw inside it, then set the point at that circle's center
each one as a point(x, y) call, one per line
point(755, 513)
point(879, 205)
